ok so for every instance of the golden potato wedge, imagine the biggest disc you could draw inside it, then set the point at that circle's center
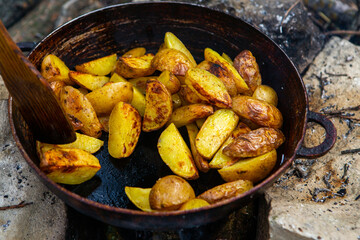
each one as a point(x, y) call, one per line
point(255, 143)
point(158, 107)
point(139, 197)
point(100, 66)
point(259, 112)
point(79, 109)
point(84, 90)
point(193, 204)
point(226, 191)
point(201, 163)
point(213, 133)
point(222, 74)
point(267, 94)
point(181, 79)
point(56, 87)
point(117, 78)
point(227, 58)
point(172, 60)
point(54, 69)
point(104, 121)
point(88, 81)
point(135, 52)
point(190, 113)
point(124, 130)
point(170, 81)
point(246, 65)
point(214, 57)
point(105, 98)
point(190, 96)
point(140, 83)
point(134, 67)
point(171, 41)
point(176, 99)
point(176, 154)
point(169, 193)
point(253, 169)
point(200, 122)
point(208, 86)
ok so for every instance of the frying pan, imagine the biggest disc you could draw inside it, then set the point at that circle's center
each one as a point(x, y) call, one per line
point(118, 28)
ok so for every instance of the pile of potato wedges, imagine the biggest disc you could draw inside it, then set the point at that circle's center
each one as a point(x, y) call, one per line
point(232, 121)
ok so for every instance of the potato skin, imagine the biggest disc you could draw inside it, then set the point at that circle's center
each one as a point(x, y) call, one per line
point(169, 193)
point(190, 96)
point(134, 67)
point(267, 94)
point(100, 66)
point(255, 143)
point(190, 113)
point(54, 69)
point(194, 203)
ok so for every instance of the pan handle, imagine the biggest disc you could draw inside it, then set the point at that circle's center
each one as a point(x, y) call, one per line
point(26, 46)
point(327, 144)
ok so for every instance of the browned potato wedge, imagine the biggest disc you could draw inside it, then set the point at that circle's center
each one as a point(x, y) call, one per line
point(124, 130)
point(213, 133)
point(158, 107)
point(176, 154)
point(140, 83)
point(139, 197)
point(208, 86)
point(134, 67)
point(255, 143)
point(88, 81)
point(104, 121)
point(79, 109)
point(200, 162)
point(172, 60)
point(56, 86)
point(169, 193)
point(171, 41)
point(135, 52)
point(177, 102)
point(214, 57)
point(193, 204)
point(267, 94)
point(227, 58)
point(170, 81)
point(105, 98)
point(259, 112)
point(226, 191)
point(252, 169)
point(190, 113)
point(54, 69)
point(100, 66)
point(222, 74)
point(245, 63)
point(190, 96)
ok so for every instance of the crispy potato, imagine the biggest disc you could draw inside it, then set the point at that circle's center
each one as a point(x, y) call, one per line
point(259, 112)
point(201, 163)
point(190, 113)
point(135, 52)
point(56, 87)
point(172, 60)
point(158, 107)
point(177, 102)
point(79, 109)
point(222, 74)
point(245, 63)
point(267, 94)
point(139, 197)
point(134, 67)
point(255, 143)
point(88, 81)
point(140, 83)
point(105, 98)
point(176, 154)
point(117, 78)
point(171, 41)
point(54, 69)
point(104, 121)
point(169, 193)
point(253, 169)
point(124, 130)
point(216, 129)
point(226, 191)
point(190, 96)
point(170, 81)
point(193, 204)
point(220, 160)
point(214, 57)
point(227, 58)
point(100, 66)
point(208, 87)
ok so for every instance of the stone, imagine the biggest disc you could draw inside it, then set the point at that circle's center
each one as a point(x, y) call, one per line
point(319, 198)
point(12, 11)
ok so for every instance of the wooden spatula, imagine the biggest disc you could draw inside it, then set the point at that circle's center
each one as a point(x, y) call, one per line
point(32, 94)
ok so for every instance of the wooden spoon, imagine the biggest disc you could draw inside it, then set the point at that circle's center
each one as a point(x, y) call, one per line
point(32, 94)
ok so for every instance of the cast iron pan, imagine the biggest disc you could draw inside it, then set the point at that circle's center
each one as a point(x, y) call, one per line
point(119, 28)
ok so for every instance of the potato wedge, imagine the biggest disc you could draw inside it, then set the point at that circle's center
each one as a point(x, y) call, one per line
point(216, 129)
point(170, 81)
point(176, 99)
point(105, 98)
point(214, 57)
point(267, 94)
point(56, 87)
point(200, 122)
point(158, 107)
point(124, 130)
point(227, 58)
point(134, 67)
point(139, 197)
point(117, 78)
point(253, 169)
point(193, 204)
point(140, 83)
point(171, 41)
point(190, 113)
point(79, 109)
point(88, 81)
point(255, 143)
point(226, 191)
point(54, 69)
point(135, 52)
point(104, 121)
point(259, 112)
point(190, 96)
point(176, 154)
point(100, 66)
point(209, 87)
